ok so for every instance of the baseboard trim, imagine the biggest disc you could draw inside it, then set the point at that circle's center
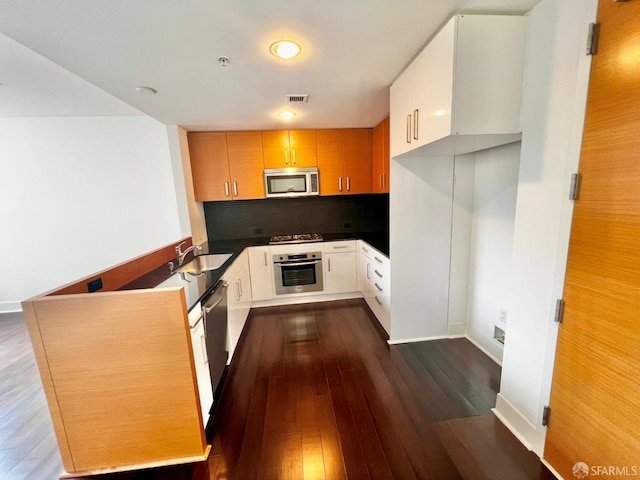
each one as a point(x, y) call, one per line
point(522, 428)
point(414, 340)
point(276, 302)
point(10, 307)
point(484, 350)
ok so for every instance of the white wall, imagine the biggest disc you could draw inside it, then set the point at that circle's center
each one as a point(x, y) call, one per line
point(420, 205)
point(556, 77)
point(80, 194)
point(491, 241)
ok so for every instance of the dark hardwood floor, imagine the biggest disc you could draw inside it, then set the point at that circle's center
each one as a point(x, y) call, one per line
point(314, 392)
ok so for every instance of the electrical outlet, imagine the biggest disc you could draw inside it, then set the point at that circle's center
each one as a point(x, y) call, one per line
point(257, 230)
point(503, 316)
point(346, 225)
point(94, 285)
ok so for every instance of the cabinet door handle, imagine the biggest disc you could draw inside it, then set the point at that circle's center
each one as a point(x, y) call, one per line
point(237, 291)
point(408, 128)
point(365, 250)
point(415, 124)
point(203, 344)
point(378, 287)
point(340, 183)
point(337, 247)
point(382, 180)
point(293, 156)
point(226, 189)
point(240, 286)
point(368, 271)
point(378, 260)
point(235, 189)
point(329, 263)
point(378, 300)
point(378, 273)
point(348, 184)
point(265, 259)
point(286, 156)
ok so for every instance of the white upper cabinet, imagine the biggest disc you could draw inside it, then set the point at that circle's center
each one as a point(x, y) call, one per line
point(462, 93)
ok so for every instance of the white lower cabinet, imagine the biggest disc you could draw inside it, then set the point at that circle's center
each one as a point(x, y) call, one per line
point(373, 282)
point(339, 265)
point(261, 269)
point(201, 362)
point(239, 300)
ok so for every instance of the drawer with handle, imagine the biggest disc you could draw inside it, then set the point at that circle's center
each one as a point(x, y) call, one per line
point(339, 246)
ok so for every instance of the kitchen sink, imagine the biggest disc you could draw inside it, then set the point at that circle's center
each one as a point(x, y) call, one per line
point(203, 263)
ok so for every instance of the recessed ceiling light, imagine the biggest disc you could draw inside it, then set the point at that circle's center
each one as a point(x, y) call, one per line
point(286, 115)
point(146, 90)
point(284, 49)
point(440, 113)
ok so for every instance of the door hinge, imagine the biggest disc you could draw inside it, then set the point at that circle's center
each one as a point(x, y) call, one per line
point(592, 39)
point(546, 413)
point(559, 310)
point(575, 185)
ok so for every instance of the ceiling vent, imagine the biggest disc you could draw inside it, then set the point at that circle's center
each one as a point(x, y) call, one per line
point(298, 98)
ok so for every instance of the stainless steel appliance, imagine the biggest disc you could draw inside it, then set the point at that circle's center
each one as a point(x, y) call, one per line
point(215, 331)
point(291, 182)
point(296, 238)
point(298, 272)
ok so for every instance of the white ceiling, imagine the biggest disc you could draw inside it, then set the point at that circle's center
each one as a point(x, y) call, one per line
point(352, 52)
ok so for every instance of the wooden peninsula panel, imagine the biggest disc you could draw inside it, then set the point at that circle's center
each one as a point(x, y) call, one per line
point(126, 272)
point(117, 370)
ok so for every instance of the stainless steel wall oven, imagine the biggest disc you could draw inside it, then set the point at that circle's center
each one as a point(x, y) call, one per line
point(298, 273)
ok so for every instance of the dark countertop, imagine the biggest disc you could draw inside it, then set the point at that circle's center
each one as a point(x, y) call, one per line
point(197, 288)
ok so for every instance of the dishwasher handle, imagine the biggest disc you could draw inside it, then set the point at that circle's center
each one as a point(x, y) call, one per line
point(219, 293)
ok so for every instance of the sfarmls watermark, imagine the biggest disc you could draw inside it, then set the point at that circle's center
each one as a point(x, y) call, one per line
point(582, 470)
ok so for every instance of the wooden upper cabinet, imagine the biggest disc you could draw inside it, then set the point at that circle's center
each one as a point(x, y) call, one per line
point(303, 148)
point(245, 165)
point(209, 166)
point(289, 148)
point(330, 161)
point(357, 160)
point(344, 161)
point(275, 146)
point(381, 157)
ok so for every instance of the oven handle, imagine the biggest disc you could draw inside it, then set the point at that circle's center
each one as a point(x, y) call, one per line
point(296, 264)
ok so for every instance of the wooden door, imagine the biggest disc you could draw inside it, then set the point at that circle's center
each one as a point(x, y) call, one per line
point(209, 166)
point(595, 397)
point(246, 165)
point(380, 146)
point(357, 160)
point(303, 148)
point(330, 161)
point(275, 147)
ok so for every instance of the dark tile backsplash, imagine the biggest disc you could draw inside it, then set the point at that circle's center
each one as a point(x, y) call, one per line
point(281, 216)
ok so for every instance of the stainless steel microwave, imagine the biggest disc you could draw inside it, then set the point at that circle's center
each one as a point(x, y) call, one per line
point(291, 182)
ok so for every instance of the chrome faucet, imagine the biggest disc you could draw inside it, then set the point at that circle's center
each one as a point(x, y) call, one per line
point(182, 254)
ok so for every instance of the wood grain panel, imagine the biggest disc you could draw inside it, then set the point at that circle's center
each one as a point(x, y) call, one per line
point(330, 161)
point(595, 414)
point(126, 272)
point(246, 164)
point(47, 383)
point(120, 364)
point(358, 159)
point(209, 165)
point(380, 157)
point(275, 145)
point(303, 143)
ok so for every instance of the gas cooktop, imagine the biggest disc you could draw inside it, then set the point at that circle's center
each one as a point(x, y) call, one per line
point(296, 238)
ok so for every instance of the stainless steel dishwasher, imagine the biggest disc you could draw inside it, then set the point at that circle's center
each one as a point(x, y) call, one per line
point(215, 331)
